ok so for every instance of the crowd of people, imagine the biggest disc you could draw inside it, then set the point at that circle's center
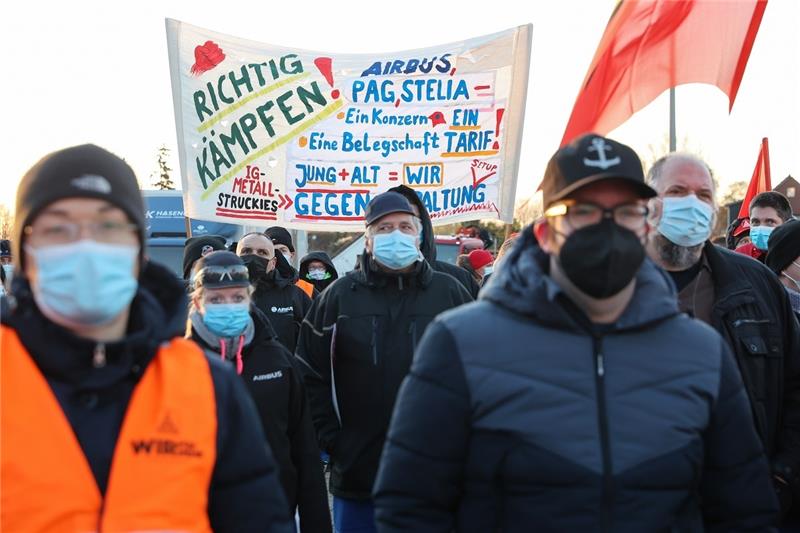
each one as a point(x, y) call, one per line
point(608, 369)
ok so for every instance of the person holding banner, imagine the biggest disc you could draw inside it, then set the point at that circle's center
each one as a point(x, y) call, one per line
point(109, 419)
point(356, 346)
point(738, 297)
point(574, 396)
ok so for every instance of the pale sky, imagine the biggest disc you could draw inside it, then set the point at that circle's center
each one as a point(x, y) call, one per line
point(97, 71)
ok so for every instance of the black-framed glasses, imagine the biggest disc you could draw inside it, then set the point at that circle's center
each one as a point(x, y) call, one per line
point(583, 214)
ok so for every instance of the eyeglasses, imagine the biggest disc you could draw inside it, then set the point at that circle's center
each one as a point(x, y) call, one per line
point(222, 276)
point(106, 231)
point(581, 215)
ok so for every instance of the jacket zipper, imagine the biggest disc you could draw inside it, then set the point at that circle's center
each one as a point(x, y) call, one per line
point(99, 356)
point(412, 330)
point(602, 419)
point(375, 341)
point(100, 514)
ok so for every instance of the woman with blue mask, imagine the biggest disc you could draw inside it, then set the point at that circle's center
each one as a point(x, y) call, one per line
point(95, 375)
point(223, 321)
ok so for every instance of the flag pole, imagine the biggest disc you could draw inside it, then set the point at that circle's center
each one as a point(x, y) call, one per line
point(672, 141)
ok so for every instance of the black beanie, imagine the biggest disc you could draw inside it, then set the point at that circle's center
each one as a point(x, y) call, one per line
point(783, 246)
point(197, 247)
point(86, 171)
point(279, 235)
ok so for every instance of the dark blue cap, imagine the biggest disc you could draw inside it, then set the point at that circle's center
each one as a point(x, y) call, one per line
point(386, 204)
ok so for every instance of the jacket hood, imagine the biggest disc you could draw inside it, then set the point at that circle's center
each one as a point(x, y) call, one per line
point(323, 258)
point(281, 276)
point(521, 284)
point(428, 244)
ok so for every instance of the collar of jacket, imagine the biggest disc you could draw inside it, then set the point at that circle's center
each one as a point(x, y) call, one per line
point(731, 288)
point(372, 275)
point(521, 284)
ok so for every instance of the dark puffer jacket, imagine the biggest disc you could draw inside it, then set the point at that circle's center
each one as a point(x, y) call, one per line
point(356, 347)
point(245, 493)
point(428, 244)
point(518, 415)
point(322, 257)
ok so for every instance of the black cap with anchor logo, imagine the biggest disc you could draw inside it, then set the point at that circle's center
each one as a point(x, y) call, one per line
point(588, 159)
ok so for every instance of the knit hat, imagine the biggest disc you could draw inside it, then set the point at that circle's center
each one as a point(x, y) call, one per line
point(279, 235)
point(197, 247)
point(86, 171)
point(480, 258)
point(783, 246)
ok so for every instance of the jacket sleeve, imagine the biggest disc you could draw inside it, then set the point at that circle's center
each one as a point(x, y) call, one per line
point(246, 494)
point(420, 476)
point(314, 353)
point(312, 497)
point(736, 491)
point(786, 462)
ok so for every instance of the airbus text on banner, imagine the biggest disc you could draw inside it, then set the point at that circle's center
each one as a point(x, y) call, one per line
point(270, 135)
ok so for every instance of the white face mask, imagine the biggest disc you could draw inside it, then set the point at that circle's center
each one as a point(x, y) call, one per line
point(288, 257)
point(488, 270)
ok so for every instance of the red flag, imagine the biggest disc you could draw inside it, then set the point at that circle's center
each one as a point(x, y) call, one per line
point(652, 45)
point(760, 182)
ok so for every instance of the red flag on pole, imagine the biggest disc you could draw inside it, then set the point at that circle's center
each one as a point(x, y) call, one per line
point(652, 45)
point(760, 182)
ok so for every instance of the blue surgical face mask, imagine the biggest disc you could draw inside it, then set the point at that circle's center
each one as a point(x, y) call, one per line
point(85, 283)
point(395, 250)
point(686, 220)
point(227, 320)
point(487, 270)
point(317, 274)
point(9, 270)
point(759, 235)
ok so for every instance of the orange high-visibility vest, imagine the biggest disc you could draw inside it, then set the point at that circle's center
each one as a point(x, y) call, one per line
point(307, 287)
point(163, 461)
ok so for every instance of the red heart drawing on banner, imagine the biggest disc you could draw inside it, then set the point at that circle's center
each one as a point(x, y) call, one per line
point(206, 57)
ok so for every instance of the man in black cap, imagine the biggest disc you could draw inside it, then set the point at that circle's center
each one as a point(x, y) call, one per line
point(783, 258)
point(574, 396)
point(197, 247)
point(356, 344)
point(102, 398)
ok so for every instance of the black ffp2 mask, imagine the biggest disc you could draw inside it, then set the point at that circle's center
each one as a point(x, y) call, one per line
point(601, 259)
point(256, 266)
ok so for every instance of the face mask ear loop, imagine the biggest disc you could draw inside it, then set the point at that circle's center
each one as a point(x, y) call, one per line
point(239, 363)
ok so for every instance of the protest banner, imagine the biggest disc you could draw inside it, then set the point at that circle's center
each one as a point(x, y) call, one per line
point(270, 135)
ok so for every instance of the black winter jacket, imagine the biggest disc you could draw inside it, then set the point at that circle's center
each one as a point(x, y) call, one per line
point(245, 493)
point(284, 303)
point(274, 383)
point(428, 245)
point(518, 415)
point(356, 346)
point(319, 284)
point(753, 313)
